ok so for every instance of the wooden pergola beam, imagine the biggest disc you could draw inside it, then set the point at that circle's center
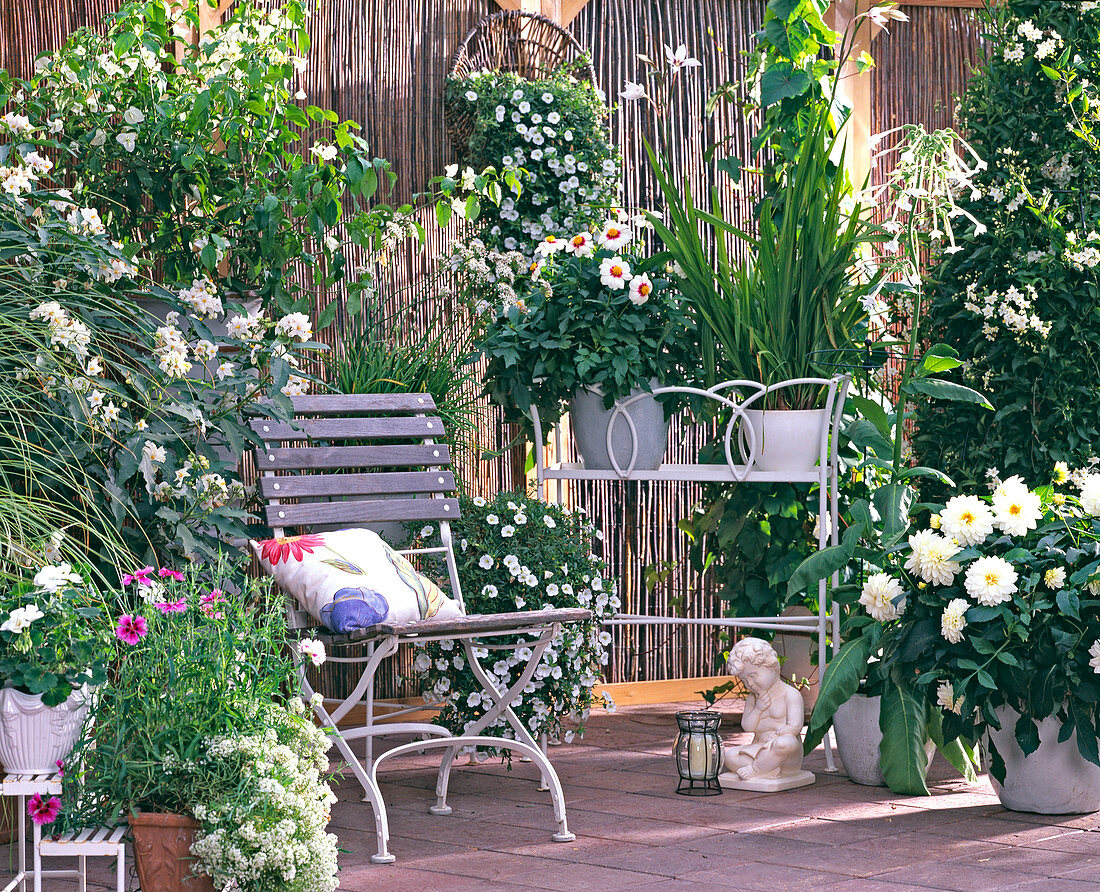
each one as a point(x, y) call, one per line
point(560, 12)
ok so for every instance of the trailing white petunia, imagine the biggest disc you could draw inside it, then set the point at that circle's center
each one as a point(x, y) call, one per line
point(880, 592)
point(953, 620)
point(967, 520)
point(990, 580)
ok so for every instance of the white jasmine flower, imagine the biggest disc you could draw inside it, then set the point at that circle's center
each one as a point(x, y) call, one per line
point(295, 325)
point(990, 580)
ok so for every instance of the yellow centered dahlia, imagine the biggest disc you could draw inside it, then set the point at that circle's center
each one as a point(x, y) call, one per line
point(879, 592)
point(931, 557)
point(967, 520)
point(990, 580)
point(946, 699)
point(1094, 652)
point(954, 620)
point(1090, 494)
point(1061, 473)
point(1016, 508)
point(1055, 578)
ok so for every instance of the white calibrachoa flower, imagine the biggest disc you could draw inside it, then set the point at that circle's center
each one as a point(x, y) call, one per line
point(990, 580)
point(954, 620)
point(486, 562)
point(507, 531)
point(967, 520)
point(879, 594)
point(1094, 653)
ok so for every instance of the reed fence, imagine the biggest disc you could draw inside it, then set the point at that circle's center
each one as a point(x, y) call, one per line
point(383, 63)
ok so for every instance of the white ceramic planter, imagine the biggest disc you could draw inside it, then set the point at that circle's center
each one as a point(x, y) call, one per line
point(33, 737)
point(786, 439)
point(1054, 780)
point(591, 420)
point(858, 737)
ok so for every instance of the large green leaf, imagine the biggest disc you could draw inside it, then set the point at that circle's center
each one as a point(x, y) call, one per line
point(945, 390)
point(938, 358)
point(841, 680)
point(892, 502)
point(903, 759)
point(824, 563)
point(782, 81)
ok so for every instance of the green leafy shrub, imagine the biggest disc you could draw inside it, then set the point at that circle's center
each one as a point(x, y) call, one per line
point(1020, 301)
point(554, 132)
point(517, 553)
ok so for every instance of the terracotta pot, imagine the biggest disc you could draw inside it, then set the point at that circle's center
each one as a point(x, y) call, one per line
point(162, 853)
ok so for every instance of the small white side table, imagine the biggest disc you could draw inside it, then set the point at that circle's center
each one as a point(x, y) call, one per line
point(104, 841)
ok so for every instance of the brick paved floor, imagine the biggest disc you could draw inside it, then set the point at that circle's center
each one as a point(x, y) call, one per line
point(634, 831)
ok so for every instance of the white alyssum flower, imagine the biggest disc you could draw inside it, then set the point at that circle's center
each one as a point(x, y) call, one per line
point(966, 519)
point(990, 580)
point(880, 591)
point(953, 620)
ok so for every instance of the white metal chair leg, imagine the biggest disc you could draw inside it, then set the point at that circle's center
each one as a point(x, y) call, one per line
point(120, 875)
point(83, 867)
point(442, 781)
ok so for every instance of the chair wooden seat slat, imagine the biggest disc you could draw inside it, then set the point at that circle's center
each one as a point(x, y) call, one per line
point(316, 479)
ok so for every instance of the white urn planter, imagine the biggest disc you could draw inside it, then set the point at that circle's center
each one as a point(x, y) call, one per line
point(590, 425)
point(858, 736)
point(1054, 780)
point(33, 736)
point(786, 439)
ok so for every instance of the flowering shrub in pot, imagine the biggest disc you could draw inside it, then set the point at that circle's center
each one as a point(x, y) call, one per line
point(589, 311)
point(517, 553)
point(198, 722)
point(53, 651)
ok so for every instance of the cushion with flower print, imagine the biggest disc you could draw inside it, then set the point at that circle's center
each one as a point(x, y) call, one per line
point(351, 579)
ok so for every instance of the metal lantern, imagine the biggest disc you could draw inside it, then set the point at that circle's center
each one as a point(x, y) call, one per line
point(698, 753)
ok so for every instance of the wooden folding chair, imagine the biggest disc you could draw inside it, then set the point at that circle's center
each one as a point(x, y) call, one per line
point(361, 460)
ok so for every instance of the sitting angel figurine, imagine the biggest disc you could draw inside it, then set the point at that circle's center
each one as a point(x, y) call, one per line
point(773, 714)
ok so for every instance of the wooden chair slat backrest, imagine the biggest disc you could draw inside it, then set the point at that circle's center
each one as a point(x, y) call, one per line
point(326, 468)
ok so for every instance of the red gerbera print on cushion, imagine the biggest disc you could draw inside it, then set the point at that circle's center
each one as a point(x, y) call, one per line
point(275, 551)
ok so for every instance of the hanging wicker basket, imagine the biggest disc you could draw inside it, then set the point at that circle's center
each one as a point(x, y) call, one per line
point(522, 43)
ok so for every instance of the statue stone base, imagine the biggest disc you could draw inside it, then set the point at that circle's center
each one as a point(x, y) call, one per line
point(730, 781)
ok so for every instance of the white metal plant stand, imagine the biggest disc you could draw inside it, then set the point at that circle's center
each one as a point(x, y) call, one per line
point(742, 444)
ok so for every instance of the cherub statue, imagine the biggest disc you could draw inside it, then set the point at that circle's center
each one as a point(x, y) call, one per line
point(773, 714)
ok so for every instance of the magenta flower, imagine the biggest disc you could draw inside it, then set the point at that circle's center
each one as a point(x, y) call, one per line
point(141, 577)
point(131, 628)
point(208, 601)
point(164, 572)
point(172, 606)
point(43, 811)
point(60, 767)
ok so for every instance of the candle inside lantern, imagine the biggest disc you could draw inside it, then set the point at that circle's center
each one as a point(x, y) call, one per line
point(697, 756)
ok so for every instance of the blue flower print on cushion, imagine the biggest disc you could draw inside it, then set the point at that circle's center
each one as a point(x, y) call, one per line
point(354, 608)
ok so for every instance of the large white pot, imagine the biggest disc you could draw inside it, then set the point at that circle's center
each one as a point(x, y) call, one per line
point(591, 420)
point(858, 736)
point(786, 439)
point(34, 737)
point(1054, 780)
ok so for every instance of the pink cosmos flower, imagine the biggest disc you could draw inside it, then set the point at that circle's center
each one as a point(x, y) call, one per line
point(141, 577)
point(172, 606)
point(43, 811)
point(131, 628)
point(164, 572)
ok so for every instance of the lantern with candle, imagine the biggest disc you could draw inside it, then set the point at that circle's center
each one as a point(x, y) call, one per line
point(698, 752)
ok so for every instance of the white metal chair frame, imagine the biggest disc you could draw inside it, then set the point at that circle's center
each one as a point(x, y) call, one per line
point(427, 502)
point(825, 474)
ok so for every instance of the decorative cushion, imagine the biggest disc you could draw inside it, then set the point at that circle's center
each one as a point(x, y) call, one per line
point(351, 579)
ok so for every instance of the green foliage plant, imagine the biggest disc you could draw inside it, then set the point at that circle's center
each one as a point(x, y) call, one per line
point(593, 310)
point(518, 553)
point(1019, 300)
point(53, 638)
point(551, 135)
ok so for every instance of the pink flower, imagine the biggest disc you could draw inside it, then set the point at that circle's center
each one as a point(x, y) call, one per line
point(207, 602)
point(141, 577)
point(131, 628)
point(43, 811)
point(172, 606)
point(60, 767)
point(164, 572)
